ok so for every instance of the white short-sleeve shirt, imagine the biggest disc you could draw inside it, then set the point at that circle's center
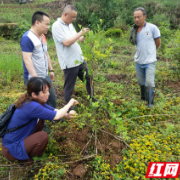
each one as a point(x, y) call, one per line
point(66, 55)
point(146, 47)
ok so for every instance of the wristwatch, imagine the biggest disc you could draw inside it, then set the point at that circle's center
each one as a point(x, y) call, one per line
point(51, 70)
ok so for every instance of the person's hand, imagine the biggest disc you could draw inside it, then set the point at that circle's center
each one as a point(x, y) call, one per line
point(71, 114)
point(51, 74)
point(73, 102)
point(84, 31)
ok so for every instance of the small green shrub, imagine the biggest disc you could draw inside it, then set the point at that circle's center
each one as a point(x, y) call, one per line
point(18, 31)
point(113, 33)
point(174, 51)
point(127, 51)
point(119, 21)
point(166, 35)
point(159, 18)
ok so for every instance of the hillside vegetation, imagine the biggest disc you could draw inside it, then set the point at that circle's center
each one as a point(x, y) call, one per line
point(116, 13)
point(116, 138)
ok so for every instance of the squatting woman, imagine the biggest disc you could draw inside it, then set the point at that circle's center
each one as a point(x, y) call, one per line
point(30, 140)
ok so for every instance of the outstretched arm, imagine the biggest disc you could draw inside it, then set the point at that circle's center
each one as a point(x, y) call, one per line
point(62, 112)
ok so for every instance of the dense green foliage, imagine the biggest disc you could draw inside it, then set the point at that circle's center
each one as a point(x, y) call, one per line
point(113, 33)
point(174, 51)
point(115, 13)
point(119, 13)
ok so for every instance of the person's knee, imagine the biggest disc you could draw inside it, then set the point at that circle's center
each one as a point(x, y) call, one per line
point(150, 83)
point(44, 136)
point(140, 83)
point(7, 154)
point(140, 79)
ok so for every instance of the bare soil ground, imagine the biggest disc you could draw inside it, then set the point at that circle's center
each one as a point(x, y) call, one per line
point(116, 78)
point(83, 139)
point(175, 85)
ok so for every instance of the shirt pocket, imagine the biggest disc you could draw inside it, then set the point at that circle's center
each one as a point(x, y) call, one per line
point(148, 35)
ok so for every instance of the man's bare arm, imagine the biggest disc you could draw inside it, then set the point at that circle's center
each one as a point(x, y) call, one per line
point(49, 61)
point(158, 42)
point(28, 63)
point(72, 40)
point(50, 66)
point(81, 39)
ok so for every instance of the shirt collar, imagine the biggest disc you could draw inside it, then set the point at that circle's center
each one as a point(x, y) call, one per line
point(60, 20)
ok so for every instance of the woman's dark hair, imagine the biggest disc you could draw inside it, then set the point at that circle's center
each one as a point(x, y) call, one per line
point(35, 85)
point(38, 16)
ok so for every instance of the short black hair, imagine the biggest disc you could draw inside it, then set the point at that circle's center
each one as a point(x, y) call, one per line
point(38, 16)
point(142, 9)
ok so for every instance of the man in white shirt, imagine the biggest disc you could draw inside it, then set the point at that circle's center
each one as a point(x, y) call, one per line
point(69, 51)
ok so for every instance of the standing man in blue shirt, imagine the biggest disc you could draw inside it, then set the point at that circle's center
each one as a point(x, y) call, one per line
point(69, 51)
point(36, 60)
point(147, 42)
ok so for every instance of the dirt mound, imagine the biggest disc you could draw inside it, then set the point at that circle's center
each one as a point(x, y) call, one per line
point(116, 78)
point(174, 85)
point(117, 102)
point(79, 171)
point(115, 159)
point(82, 143)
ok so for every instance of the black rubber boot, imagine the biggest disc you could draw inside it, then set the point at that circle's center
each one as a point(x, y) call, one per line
point(95, 100)
point(151, 93)
point(143, 93)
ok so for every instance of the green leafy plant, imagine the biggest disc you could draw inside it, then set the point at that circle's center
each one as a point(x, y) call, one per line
point(174, 51)
point(18, 31)
point(93, 53)
point(113, 33)
point(166, 35)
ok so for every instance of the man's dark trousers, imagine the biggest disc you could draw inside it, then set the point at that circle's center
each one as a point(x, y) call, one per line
point(70, 76)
